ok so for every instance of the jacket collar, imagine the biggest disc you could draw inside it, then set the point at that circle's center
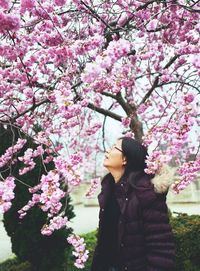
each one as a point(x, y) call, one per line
point(121, 190)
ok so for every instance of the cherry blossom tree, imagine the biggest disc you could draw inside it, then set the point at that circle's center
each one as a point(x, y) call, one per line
point(63, 61)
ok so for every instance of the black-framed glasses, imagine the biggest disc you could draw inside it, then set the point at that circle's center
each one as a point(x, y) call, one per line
point(118, 149)
point(115, 147)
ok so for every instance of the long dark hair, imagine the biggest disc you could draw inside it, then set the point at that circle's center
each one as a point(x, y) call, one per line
point(135, 154)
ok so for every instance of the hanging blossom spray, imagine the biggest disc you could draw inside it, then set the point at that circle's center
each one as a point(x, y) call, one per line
point(93, 187)
point(80, 251)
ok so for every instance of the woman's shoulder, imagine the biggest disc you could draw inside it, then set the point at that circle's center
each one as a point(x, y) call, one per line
point(140, 180)
point(145, 190)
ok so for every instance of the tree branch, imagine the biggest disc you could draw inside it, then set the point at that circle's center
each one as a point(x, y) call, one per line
point(180, 82)
point(148, 94)
point(155, 83)
point(171, 61)
point(126, 106)
point(191, 9)
point(105, 112)
point(109, 95)
point(95, 15)
point(32, 108)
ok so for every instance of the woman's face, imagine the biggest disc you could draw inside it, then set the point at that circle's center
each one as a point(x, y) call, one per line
point(114, 157)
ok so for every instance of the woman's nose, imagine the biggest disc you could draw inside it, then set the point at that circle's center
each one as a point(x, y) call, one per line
point(107, 151)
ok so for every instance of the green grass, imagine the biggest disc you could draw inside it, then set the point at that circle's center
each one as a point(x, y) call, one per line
point(14, 265)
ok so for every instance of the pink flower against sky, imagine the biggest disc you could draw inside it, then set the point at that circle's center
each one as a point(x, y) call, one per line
point(152, 25)
point(9, 22)
point(61, 2)
point(92, 72)
point(5, 4)
point(27, 5)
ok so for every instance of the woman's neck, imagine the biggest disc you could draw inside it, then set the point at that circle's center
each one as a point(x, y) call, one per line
point(117, 174)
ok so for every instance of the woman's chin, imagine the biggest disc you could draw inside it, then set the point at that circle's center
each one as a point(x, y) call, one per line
point(105, 163)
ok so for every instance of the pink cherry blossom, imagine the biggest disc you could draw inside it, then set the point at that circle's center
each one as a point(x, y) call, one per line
point(196, 61)
point(27, 159)
point(94, 186)
point(189, 98)
point(152, 25)
point(188, 171)
point(49, 197)
point(27, 5)
point(7, 157)
point(6, 193)
point(60, 2)
point(4, 4)
point(126, 122)
point(9, 22)
point(80, 251)
point(56, 223)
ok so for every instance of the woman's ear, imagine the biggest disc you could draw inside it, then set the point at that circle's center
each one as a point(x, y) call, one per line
point(124, 162)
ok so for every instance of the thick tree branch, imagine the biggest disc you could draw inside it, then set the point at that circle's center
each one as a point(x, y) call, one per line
point(113, 96)
point(105, 112)
point(158, 29)
point(126, 106)
point(171, 61)
point(128, 109)
point(148, 94)
point(118, 97)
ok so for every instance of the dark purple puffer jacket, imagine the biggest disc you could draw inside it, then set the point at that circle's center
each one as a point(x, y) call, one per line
point(145, 240)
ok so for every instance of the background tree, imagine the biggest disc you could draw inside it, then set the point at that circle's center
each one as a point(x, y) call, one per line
point(43, 252)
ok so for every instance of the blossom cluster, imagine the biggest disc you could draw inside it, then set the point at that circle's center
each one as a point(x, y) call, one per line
point(80, 251)
point(93, 187)
point(4, 4)
point(126, 122)
point(6, 193)
point(7, 157)
point(27, 159)
point(27, 5)
point(9, 22)
point(68, 169)
point(155, 162)
point(188, 171)
point(115, 51)
point(56, 223)
point(47, 194)
point(175, 133)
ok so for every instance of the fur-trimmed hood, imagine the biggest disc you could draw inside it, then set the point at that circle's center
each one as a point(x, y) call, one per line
point(163, 180)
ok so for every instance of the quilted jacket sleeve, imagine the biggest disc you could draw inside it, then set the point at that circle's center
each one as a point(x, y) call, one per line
point(99, 261)
point(160, 247)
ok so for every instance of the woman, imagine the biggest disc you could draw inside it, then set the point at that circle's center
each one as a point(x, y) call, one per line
point(134, 232)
